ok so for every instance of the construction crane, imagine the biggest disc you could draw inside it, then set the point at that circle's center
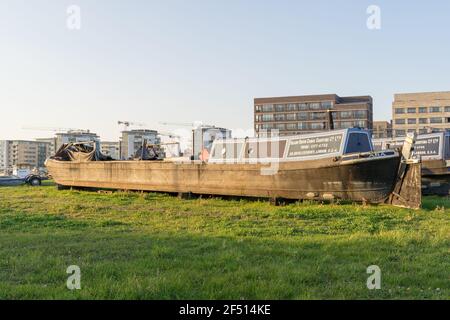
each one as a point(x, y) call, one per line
point(169, 134)
point(127, 124)
point(182, 124)
point(53, 129)
point(195, 124)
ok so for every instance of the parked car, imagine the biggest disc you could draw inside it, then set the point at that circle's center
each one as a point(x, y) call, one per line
point(31, 179)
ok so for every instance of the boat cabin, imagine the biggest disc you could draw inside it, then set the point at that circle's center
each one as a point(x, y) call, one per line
point(432, 146)
point(291, 148)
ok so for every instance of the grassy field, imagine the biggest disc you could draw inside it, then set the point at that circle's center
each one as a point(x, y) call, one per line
point(154, 246)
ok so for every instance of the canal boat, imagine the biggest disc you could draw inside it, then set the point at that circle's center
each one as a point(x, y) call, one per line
point(333, 165)
point(434, 151)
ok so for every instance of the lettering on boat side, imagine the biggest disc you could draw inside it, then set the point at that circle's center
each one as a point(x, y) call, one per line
point(315, 145)
point(226, 309)
point(427, 147)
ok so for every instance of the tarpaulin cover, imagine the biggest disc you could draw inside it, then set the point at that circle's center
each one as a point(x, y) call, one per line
point(146, 153)
point(80, 152)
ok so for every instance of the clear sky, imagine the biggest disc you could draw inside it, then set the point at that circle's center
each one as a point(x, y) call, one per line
point(205, 60)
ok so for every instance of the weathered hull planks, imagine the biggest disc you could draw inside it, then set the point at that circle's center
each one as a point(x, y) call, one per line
point(368, 180)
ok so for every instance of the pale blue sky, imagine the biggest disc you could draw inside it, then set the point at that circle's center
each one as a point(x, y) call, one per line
point(187, 61)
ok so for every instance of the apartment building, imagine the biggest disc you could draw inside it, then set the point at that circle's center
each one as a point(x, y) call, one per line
point(22, 153)
point(420, 112)
point(132, 140)
point(4, 159)
point(110, 148)
point(74, 136)
point(382, 129)
point(50, 143)
point(310, 113)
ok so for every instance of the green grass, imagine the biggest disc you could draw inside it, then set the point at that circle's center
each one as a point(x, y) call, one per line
point(154, 246)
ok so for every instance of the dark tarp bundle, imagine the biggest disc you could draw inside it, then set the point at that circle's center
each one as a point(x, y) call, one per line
point(147, 153)
point(80, 152)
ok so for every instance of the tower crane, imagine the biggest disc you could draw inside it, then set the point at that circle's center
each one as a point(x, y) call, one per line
point(169, 134)
point(195, 124)
point(127, 124)
point(54, 129)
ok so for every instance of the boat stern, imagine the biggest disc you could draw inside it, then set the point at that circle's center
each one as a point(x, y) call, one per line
point(407, 191)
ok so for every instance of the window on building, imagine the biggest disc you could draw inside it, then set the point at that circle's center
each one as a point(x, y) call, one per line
point(423, 110)
point(267, 117)
point(423, 120)
point(317, 125)
point(400, 133)
point(447, 120)
point(412, 121)
point(280, 126)
point(327, 105)
point(360, 124)
point(258, 108)
point(411, 110)
point(334, 115)
point(447, 109)
point(346, 114)
point(302, 126)
point(280, 117)
point(317, 115)
point(267, 108)
point(435, 120)
point(291, 107)
point(280, 107)
point(346, 124)
point(291, 126)
point(399, 121)
point(290, 116)
point(303, 106)
point(360, 114)
point(399, 110)
point(302, 116)
point(314, 105)
point(435, 109)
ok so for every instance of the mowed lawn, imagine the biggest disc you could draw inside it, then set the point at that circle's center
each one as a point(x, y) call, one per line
point(156, 246)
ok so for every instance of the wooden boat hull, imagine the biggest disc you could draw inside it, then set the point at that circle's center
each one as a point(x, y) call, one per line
point(370, 179)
